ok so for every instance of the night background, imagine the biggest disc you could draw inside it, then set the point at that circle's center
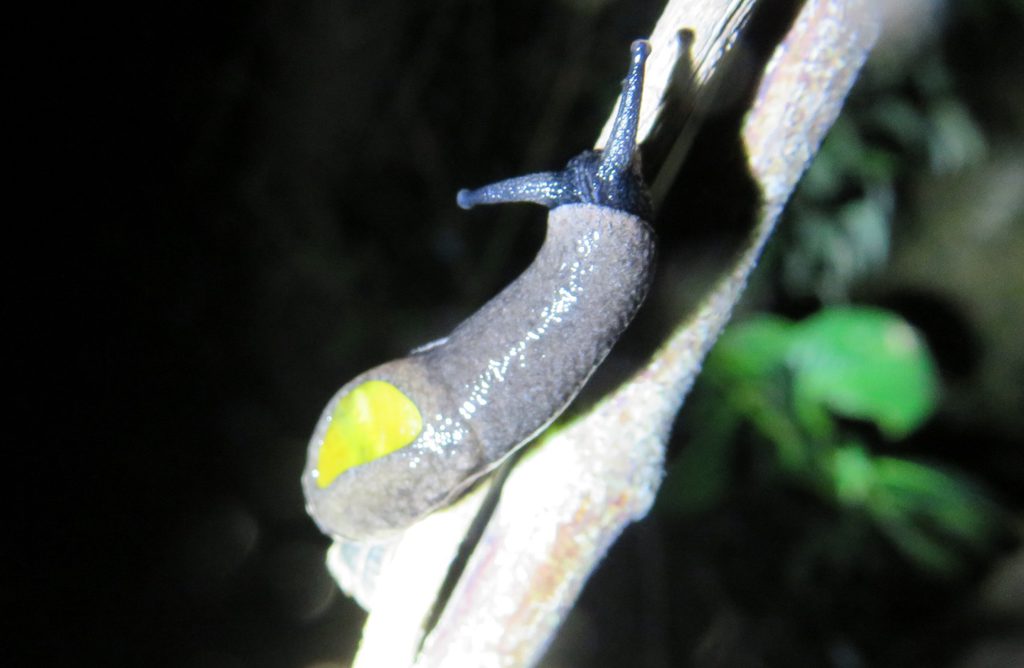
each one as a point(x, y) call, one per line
point(249, 203)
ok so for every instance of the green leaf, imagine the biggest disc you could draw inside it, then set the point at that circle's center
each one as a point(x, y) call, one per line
point(853, 474)
point(861, 363)
point(751, 350)
point(949, 503)
point(955, 141)
point(935, 518)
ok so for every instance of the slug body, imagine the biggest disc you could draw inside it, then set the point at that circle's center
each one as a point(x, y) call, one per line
point(409, 436)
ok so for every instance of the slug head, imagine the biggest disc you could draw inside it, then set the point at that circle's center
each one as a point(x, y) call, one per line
point(609, 178)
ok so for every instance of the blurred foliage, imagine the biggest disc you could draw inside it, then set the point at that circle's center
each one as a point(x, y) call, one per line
point(869, 455)
point(802, 388)
point(839, 222)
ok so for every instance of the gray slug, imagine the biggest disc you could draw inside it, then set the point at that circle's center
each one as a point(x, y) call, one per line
point(409, 436)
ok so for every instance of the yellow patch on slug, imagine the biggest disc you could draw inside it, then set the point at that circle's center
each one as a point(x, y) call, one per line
point(371, 421)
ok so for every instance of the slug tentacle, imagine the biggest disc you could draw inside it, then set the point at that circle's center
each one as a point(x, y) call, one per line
point(617, 157)
point(545, 188)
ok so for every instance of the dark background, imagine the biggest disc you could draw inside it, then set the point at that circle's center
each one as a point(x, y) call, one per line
point(246, 204)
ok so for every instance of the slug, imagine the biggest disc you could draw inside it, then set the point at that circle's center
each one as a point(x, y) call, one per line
point(409, 436)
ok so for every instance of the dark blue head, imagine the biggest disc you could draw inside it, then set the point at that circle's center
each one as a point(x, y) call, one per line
point(609, 178)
